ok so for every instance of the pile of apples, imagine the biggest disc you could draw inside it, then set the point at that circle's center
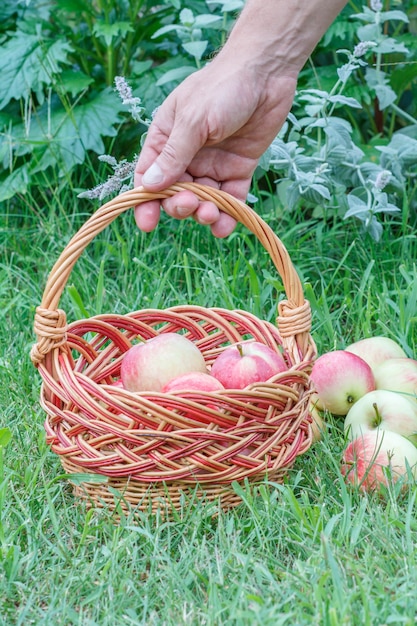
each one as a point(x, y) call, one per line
point(372, 384)
point(170, 362)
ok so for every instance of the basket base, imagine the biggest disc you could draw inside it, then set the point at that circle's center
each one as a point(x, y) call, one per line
point(123, 495)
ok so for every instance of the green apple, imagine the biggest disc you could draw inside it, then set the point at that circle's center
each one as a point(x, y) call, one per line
point(398, 375)
point(376, 350)
point(149, 365)
point(386, 410)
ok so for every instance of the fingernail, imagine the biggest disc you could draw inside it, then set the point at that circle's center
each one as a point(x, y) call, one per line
point(153, 175)
point(183, 212)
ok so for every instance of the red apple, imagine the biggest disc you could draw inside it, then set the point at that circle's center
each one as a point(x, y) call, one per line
point(249, 362)
point(367, 458)
point(149, 365)
point(340, 378)
point(198, 381)
point(376, 350)
point(398, 375)
point(194, 381)
point(387, 410)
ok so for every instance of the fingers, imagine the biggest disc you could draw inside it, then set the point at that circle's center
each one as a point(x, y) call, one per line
point(182, 205)
point(167, 155)
point(147, 215)
point(224, 226)
point(186, 204)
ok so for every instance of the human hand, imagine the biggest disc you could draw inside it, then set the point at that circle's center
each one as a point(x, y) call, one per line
point(212, 129)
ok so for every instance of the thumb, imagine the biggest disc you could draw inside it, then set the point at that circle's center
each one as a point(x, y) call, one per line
point(175, 157)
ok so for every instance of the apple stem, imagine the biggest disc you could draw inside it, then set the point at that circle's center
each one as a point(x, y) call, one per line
point(239, 347)
point(378, 418)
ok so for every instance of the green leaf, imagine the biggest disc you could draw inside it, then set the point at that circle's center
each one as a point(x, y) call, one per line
point(168, 29)
point(370, 32)
point(111, 31)
point(16, 182)
point(367, 15)
point(80, 478)
point(388, 45)
point(374, 228)
point(385, 95)
point(140, 67)
point(195, 48)
point(402, 148)
point(398, 16)
point(350, 102)
point(356, 206)
point(206, 20)
point(5, 436)
point(321, 190)
point(187, 17)
point(28, 63)
point(176, 75)
point(74, 82)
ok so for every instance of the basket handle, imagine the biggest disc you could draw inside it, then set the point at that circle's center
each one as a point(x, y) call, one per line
point(294, 315)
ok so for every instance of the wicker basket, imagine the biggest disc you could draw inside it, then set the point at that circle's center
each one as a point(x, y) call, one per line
point(153, 448)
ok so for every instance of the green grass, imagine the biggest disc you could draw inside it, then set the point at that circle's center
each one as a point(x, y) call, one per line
point(308, 552)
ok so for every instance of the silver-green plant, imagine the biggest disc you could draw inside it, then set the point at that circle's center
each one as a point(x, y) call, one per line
point(320, 164)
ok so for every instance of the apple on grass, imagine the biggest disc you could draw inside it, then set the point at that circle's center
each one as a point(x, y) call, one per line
point(398, 375)
point(387, 410)
point(245, 363)
point(376, 457)
point(149, 365)
point(376, 350)
point(340, 378)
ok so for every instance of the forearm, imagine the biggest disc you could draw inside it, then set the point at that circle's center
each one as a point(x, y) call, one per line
point(280, 33)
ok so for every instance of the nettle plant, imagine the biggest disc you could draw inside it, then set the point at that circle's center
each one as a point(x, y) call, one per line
point(60, 59)
point(58, 105)
point(316, 154)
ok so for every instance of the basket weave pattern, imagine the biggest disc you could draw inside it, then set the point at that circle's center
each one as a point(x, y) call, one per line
point(153, 446)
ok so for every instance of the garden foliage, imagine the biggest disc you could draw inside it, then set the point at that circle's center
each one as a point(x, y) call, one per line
point(348, 148)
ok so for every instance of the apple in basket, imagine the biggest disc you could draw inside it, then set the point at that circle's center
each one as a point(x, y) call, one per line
point(149, 365)
point(340, 378)
point(245, 363)
point(376, 457)
point(376, 350)
point(387, 410)
point(193, 381)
